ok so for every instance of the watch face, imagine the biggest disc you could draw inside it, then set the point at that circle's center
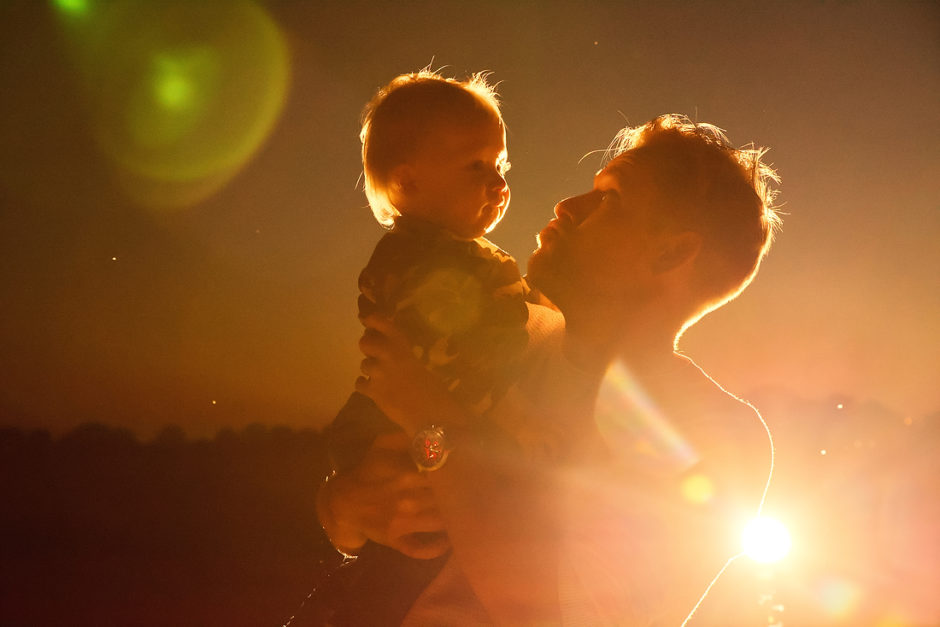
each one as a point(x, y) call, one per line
point(429, 448)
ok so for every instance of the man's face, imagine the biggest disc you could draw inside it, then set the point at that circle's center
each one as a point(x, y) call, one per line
point(599, 247)
point(458, 177)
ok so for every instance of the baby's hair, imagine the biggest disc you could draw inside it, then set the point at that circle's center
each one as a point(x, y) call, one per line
point(397, 120)
point(709, 186)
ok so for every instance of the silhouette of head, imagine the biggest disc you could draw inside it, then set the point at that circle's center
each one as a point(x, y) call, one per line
point(435, 147)
point(676, 210)
point(706, 186)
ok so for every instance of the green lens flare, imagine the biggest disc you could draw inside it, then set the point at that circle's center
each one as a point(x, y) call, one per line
point(182, 93)
point(172, 84)
point(72, 7)
point(173, 97)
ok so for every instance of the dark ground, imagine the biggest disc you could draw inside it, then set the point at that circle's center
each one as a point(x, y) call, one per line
point(99, 528)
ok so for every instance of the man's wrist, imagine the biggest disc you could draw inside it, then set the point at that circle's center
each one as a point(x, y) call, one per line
point(438, 408)
point(431, 445)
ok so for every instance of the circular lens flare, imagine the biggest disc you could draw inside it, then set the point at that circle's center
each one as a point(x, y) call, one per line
point(766, 540)
point(697, 489)
point(72, 7)
point(181, 94)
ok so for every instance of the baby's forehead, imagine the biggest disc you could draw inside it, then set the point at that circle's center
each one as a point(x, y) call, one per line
point(480, 122)
point(465, 133)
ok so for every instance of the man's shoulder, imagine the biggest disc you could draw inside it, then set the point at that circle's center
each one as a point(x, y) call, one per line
point(730, 436)
point(546, 326)
point(714, 403)
point(719, 420)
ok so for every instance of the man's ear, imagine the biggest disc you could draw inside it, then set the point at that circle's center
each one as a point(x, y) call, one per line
point(677, 250)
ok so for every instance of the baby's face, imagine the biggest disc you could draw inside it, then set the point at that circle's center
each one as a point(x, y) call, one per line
point(457, 178)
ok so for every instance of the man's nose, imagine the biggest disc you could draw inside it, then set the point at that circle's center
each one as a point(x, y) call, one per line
point(574, 208)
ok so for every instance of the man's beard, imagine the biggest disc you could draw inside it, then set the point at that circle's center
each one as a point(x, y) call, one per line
point(545, 272)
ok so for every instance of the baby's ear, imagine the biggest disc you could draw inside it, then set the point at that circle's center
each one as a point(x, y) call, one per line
point(401, 186)
point(402, 179)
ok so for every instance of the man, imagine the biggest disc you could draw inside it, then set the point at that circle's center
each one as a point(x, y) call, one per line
point(610, 531)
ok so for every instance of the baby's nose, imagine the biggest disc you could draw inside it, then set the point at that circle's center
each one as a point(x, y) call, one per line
point(498, 182)
point(500, 187)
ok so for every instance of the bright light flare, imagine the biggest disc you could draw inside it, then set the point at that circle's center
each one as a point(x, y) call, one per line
point(181, 94)
point(766, 540)
point(72, 7)
point(697, 489)
point(838, 597)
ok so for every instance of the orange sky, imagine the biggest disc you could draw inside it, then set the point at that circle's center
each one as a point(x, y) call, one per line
point(140, 316)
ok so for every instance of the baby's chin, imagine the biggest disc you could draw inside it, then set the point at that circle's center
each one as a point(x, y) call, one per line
point(474, 231)
point(488, 219)
point(496, 219)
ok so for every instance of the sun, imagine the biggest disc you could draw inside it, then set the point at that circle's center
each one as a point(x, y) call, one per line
point(765, 540)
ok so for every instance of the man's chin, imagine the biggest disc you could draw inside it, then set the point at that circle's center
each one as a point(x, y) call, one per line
point(539, 270)
point(535, 262)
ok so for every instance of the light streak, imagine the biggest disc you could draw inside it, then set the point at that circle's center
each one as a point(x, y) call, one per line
point(626, 414)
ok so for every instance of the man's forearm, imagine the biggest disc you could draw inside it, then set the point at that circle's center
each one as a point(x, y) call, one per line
point(501, 516)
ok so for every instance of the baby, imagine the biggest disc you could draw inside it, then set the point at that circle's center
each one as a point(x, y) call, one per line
point(435, 160)
point(434, 156)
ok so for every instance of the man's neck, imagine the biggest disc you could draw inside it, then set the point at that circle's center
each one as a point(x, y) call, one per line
point(595, 342)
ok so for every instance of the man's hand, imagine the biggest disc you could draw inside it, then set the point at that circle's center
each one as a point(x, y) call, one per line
point(384, 499)
point(398, 382)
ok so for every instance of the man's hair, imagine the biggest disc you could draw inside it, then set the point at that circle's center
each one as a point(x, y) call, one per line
point(708, 186)
point(399, 117)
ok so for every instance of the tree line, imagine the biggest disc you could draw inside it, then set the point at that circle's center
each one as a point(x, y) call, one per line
point(99, 528)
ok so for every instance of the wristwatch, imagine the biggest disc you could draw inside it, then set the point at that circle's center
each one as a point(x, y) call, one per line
point(430, 447)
